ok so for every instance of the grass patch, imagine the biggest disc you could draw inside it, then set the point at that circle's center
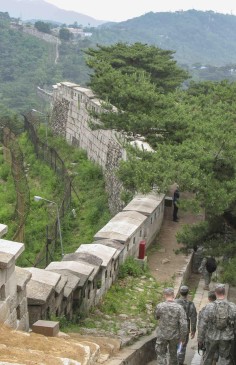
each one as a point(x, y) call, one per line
point(91, 209)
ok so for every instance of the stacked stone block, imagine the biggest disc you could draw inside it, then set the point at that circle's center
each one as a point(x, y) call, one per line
point(13, 301)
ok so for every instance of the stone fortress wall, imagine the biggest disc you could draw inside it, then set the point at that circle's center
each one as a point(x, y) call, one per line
point(80, 280)
point(72, 105)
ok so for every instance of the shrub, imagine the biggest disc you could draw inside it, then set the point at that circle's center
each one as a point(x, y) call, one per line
point(130, 268)
point(229, 272)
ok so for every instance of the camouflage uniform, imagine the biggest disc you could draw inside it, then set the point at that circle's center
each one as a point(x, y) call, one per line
point(191, 314)
point(206, 275)
point(217, 340)
point(197, 259)
point(206, 343)
point(172, 329)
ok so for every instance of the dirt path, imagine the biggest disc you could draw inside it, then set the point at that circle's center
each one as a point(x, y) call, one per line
point(165, 245)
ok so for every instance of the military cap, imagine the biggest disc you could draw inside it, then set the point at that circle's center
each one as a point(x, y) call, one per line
point(184, 289)
point(168, 291)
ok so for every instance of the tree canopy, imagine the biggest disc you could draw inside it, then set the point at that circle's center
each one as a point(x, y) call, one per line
point(192, 132)
point(138, 80)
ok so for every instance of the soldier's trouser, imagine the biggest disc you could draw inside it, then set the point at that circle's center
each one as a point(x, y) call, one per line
point(181, 354)
point(162, 347)
point(207, 278)
point(216, 354)
point(223, 348)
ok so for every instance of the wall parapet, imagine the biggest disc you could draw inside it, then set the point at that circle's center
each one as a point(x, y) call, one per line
point(81, 279)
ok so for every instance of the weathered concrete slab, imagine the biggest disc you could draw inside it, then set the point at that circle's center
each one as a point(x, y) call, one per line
point(75, 257)
point(6, 260)
point(113, 244)
point(110, 243)
point(61, 284)
point(11, 247)
point(3, 229)
point(83, 256)
point(22, 277)
point(82, 270)
point(38, 293)
point(103, 252)
point(144, 204)
point(122, 226)
point(43, 276)
point(72, 281)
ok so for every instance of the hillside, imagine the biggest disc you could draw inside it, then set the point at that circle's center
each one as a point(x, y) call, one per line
point(40, 9)
point(203, 41)
point(204, 37)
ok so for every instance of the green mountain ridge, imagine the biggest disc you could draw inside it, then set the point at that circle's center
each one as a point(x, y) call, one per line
point(196, 36)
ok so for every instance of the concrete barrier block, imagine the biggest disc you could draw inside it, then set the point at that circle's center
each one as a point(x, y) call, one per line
point(46, 328)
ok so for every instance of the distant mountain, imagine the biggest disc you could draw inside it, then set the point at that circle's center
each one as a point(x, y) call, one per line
point(42, 10)
point(201, 37)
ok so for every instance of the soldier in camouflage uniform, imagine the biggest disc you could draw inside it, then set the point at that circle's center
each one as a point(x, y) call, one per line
point(211, 299)
point(216, 329)
point(171, 330)
point(191, 314)
point(206, 275)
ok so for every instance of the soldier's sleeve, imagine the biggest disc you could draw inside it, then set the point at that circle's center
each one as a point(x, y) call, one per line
point(202, 325)
point(193, 317)
point(157, 312)
point(183, 324)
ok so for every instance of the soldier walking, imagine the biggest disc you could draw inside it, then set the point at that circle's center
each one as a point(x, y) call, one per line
point(217, 328)
point(211, 298)
point(171, 330)
point(191, 315)
point(207, 267)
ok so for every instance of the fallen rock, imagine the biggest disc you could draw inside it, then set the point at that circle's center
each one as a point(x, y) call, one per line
point(165, 261)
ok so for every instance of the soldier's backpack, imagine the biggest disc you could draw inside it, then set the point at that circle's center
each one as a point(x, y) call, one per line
point(211, 264)
point(222, 315)
point(186, 304)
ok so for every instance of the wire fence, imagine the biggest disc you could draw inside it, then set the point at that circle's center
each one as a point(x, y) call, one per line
point(14, 156)
point(52, 158)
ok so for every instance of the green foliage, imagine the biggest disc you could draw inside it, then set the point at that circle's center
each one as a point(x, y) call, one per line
point(133, 298)
point(137, 59)
point(42, 27)
point(228, 274)
point(195, 36)
point(137, 79)
point(65, 34)
point(191, 131)
point(90, 205)
point(130, 268)
point(26, 62)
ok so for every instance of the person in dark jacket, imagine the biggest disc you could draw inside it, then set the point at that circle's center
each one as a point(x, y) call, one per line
point(176, 204)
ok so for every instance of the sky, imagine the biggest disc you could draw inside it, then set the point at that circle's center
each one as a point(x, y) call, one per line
point(118, 10)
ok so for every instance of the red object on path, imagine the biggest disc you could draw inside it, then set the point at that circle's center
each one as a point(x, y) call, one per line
point(142, 248)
